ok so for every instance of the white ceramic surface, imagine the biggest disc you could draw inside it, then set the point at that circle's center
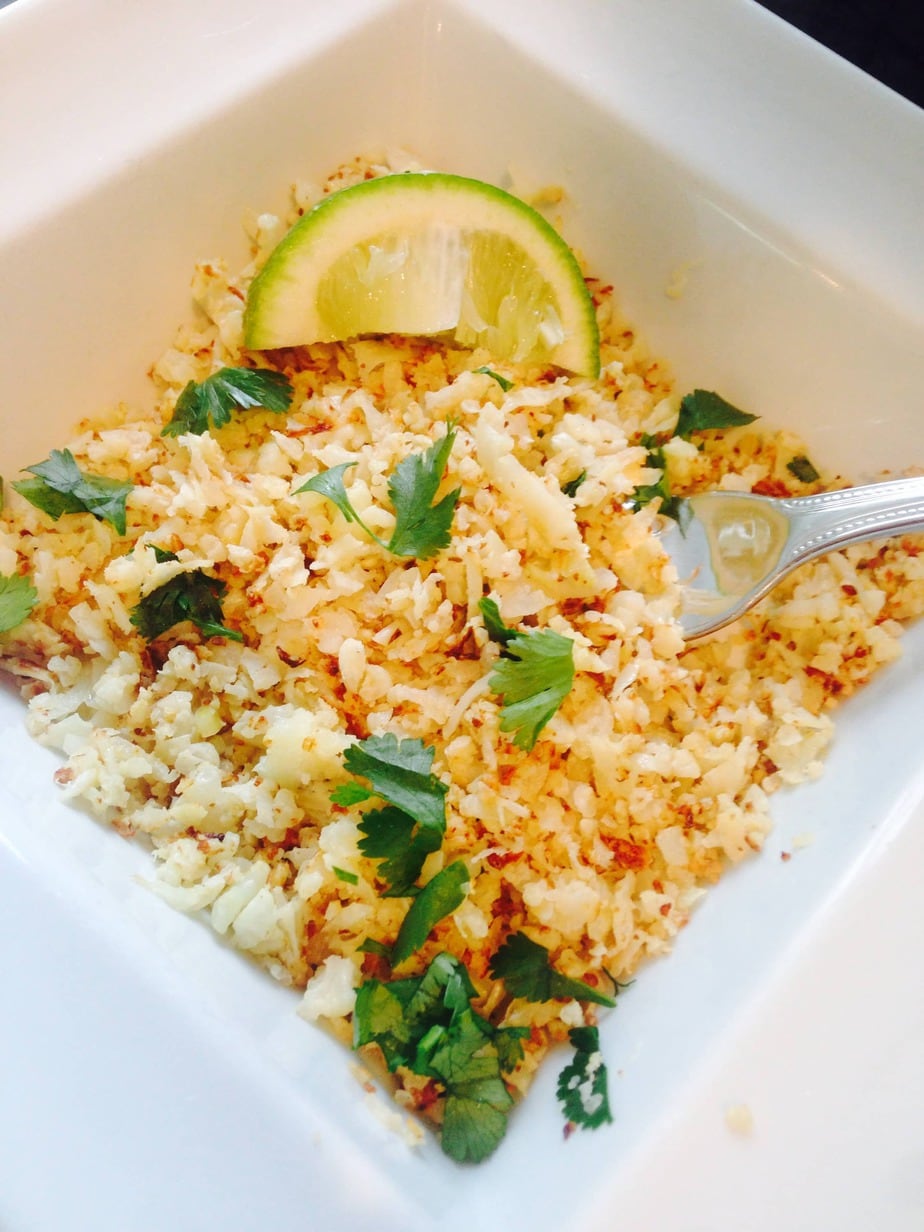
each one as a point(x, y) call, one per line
point(151, 1080)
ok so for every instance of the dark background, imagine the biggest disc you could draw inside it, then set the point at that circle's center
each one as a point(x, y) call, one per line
point(883, 37)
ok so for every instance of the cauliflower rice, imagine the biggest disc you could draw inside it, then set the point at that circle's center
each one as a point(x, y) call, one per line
point(652, 777)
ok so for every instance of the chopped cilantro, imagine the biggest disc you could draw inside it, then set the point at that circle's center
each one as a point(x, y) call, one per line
point(427, 1024)
point(422, 528)
point(802, 469)
point(343, 874)
point(501, 380)
point(371, 946)
point(570, 488)
point(446, 982)
point(703, 411)
point(60, 487)
point(209, 403)
point(532, 678)
point(394, 838)
point(524, 966)
point(438, 898)
point(399, 772)
point(700, 411)
point(330, 484)
point(413, 823)
point(661, 489)
point(379, 1018)
point(193, 596)
point(464, 1059)
point(17, 599)
point(582, 1084)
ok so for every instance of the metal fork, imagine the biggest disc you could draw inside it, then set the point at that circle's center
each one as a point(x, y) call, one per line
point(731, 548)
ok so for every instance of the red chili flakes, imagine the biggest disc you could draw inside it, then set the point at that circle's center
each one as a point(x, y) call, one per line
point(785, 856)
point(573, 606)
point(500, 859)
point(770, 487)
point(288, 660)
point(665, 909)
point(375, 966)
point(653, 376)
point(829, 683)
point(505, 905)
point(427, 1096)
point(628, 854)
point(599, 291)
point(849, 590)
point(153, 657)
point(311, 429)
point(465, 648)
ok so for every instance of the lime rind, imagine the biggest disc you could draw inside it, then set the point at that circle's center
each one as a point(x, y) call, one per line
point(475, 259)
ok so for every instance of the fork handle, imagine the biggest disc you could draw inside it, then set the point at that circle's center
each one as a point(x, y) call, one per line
point(830, 520)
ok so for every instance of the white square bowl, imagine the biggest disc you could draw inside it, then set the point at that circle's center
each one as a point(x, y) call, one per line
point(152, 1079)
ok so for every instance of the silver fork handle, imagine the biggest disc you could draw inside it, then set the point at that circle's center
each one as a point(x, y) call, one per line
point(831, 520)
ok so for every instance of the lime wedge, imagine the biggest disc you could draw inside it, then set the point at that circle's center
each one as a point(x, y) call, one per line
point(427, 253)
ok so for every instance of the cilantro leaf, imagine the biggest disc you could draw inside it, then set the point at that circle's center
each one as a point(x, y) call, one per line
point(330, 484)
point(210, 402)
point(570, 488)
point(193, 596)
point(501, 380)
point(493, 622)
point(422, 528)
point(477, 1100)
point(17, 599)
point(343, 874)
point(582, 1084)
point(394, 837)
point(802, 469)
point(532, 679)
point(60, 487)
point(399, 773)
point(524, 966)
point(509, 1044)
point(439, 898)
point(350, 793)
point(702, 411)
